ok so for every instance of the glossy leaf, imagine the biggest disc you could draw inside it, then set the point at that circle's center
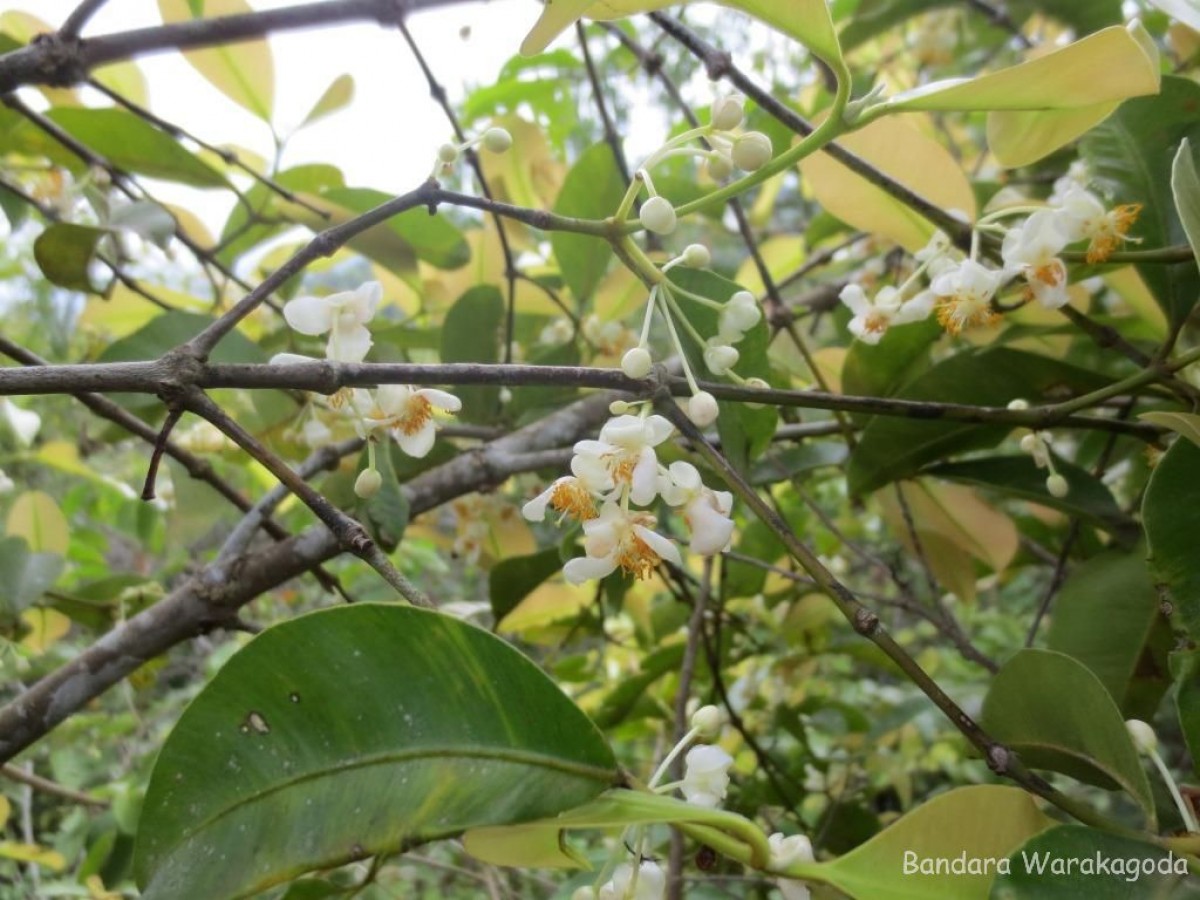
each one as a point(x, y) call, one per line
point(1087, 498)
point(1109, 65)
point(1183, 10)
point(1061, 864)
point(1185, 187)
point(1054, 712)
point(982, 821)
point(64, 253)
point(135, 145)
point(243, 71)
point(1130, 156)
point(1185, 669)
point(415, 740)
point(898, 148)
point(1186, 424)
point(25, 575)
point(432, 238)
point(512, 580)
point(892, 447)
point(387, 511)
point(35, 517)
point(591, 190)
point(1106, 616)
point(1171, 513)
point(472, 332)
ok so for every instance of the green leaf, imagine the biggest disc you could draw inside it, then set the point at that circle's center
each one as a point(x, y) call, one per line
point(1130, 155)
point(1087, 500)
point(591, 190)
point(1185, 669)
point(745, 432)
point(893, 447)
point(876, 17)
point(64, 253)
point(132, 144)
point(1171, 514)
point(242, 70)
point(1061, 864)
point(351, 732)
point(1185, 188)
point(879, 370)
point(1083, 17)
point(387, 511)
point(146, 218)
point(1054, 712)
point(1186, 424)
point(1105, 617)
point(472, 333)
point(337, 96)
point(431, 238)
point(1185, 11)
point(982, 821)
point(25, 575)
point(512, 580)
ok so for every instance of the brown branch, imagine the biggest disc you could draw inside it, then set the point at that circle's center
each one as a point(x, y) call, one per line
point(79, 17)
point(53, 788)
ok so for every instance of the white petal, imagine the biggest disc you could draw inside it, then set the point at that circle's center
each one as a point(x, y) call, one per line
point(291, 359)
point(644, 480)
point(440, 399)
point(535, 509)
point(916, 309)
point(350, 345)
point(685, 475)
point(854, 297)
point(658, 429)
point(309, 315)
point(25, 423)
point(366, 301)
point(587, 568)
point(711, 531)
point(419, 443)
point(624, 431)
point(393, 399)
point(664, 548)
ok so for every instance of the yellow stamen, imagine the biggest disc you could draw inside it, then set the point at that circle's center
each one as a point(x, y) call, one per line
point(957, 314)
point(417, 413)
point(572, 499)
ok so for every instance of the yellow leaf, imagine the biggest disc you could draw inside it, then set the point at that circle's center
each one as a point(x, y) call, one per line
point(36, 518)
point(47, 627)
point(1114, 63)
point(24, 27)
point(1129, 287)
point(33, 853)
point(619, 294)
point(808, 21)
point(125, 311)
point(5, 810)
point(552, 602)
point(244, 72)
point(900, 150)
point(126, 79)
point(338, 95)
point(782, 254)
point(954, 526)
point(528, 175)
point(1186, 424)
point(1020, 137)
point(191, 225)
point(441, 287)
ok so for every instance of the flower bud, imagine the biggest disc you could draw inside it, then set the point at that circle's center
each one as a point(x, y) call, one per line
point(751, 151)
point(719, 166)
point(1018, 404)
point(497, 140)
point(1143, 735)
point(447, 153)
point(720, 358)
point(739, 315)
point(658, 215)
point(727, 113)
point(1030, 443)
point(702, 409)
point(1057, 486)
point(619, 407)
point(696, 256)
point(636, 363)
point(707, 720)
point(368, 483)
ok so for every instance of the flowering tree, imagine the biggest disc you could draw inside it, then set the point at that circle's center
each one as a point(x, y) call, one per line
point(826, 476)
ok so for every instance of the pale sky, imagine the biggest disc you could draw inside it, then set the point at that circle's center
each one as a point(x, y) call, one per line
point(385, 140)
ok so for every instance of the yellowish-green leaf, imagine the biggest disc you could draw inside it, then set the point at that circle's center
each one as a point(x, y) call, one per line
point(244, 72)
point(126, 79)
point(1186, 11)
point(807, 21)
point(1021, 137)
point(36, 518)
point(33, 853)
point(899, 149)
point(337, 96)
point(5, 811)
point(782, 254)
point(1185, 189)
point(1186, 424)
point(1130, 287)
point(1112, 64)
point(527, 175)
point(46, 627)
point(125, 311)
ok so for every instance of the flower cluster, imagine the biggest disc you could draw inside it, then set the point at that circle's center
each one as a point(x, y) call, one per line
point(405, 413)
point(962, 292)
point(621, 470)
point(1037, 445)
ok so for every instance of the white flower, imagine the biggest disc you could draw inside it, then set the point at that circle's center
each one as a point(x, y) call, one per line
point(751, 151)
point(702, 409)
point(872, 318)
point(1143, 735)
point(623, 457)
point(619, 538)
point(569, 495)
point(706, 511)
point(727, 112)
point(496, 139)
point(1033, 248)
point(344, 315)
point(739, 314)
point(658, 215)
point(1082, 215)
point(784, 852)
point(316, 433)
point(25, 423)
point(1057, 486)
point(707, 720)
point(965, 295)
point(404, 411)
point(706, 778)
point(368, 483)
point(637, 363)
point(649, 883)
point(719, 357)
point(1036, 446)
point(6, 483)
